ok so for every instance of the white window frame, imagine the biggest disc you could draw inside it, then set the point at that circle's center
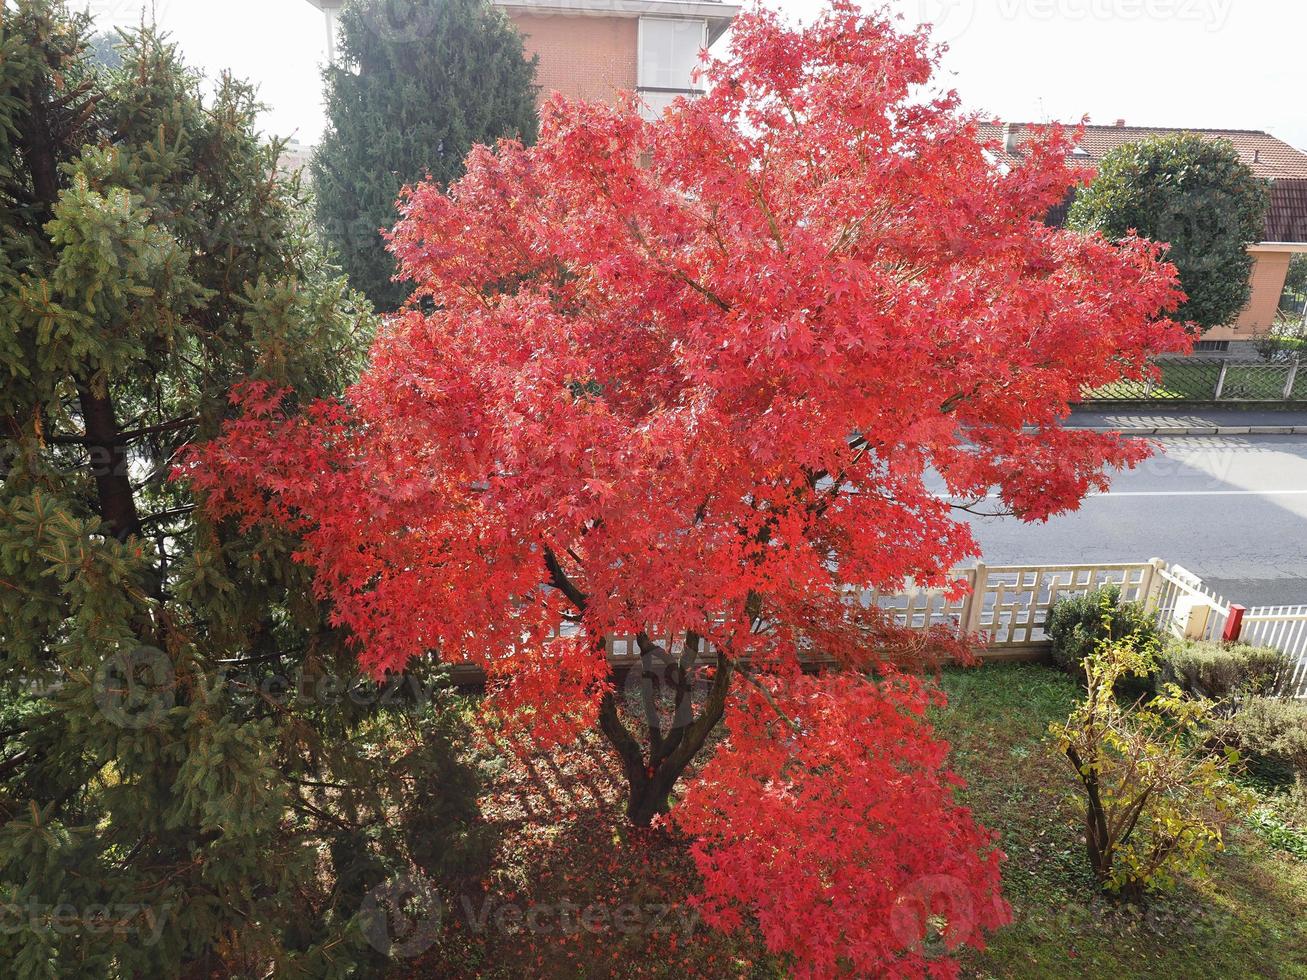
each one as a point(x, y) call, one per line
point(640, 85)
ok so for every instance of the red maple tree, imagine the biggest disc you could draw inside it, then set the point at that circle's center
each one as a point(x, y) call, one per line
point(690, 380)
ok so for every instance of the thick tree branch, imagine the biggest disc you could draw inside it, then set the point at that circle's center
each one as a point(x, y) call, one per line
point(628, 749)
point(165, 515)
point(650, 654)
point(560, 580)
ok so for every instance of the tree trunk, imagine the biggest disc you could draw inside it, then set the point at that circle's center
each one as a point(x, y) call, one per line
point(652, 775)
point(1098, 844)
point(117, 503)
point(652, 797)
point(1099, 859)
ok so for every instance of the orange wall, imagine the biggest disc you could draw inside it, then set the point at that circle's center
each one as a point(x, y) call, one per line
point(582, 57)
point(1269, 272)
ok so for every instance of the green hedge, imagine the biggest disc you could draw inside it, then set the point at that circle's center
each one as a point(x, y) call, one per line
point(1216, 670)
point(1077, 623)
point(1271, 734)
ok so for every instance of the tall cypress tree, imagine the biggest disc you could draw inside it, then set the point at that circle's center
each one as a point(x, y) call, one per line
point(417, 83)
point(180, 794)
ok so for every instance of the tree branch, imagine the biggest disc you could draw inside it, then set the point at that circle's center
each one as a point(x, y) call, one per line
point(628, 749)
point(649, 653)
point(559, 579)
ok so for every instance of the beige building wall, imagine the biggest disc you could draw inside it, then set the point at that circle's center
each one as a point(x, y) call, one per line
point(582, 57)
point(1270, 268)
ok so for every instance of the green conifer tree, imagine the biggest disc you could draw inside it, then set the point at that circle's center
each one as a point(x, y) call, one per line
point(416, 84)
point(185, 787)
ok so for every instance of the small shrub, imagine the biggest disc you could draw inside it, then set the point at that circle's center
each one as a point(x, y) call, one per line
point(1077, 624)
point(1293, 803)
point(1272, 734)
point(1157, 799)
point(1216, 670)
point(1285, 340)
point(1278, 833)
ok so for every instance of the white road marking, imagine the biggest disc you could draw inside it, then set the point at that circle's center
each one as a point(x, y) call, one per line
point(1168, 493)
point(1201, 493)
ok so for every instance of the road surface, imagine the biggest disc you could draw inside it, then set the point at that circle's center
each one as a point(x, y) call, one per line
point(1231, 509)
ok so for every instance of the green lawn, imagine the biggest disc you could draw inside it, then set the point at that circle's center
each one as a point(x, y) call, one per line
point(1191, 380)
point(1248, 918)
point(1265, 382)
point(1195, 380)
point(561, 838)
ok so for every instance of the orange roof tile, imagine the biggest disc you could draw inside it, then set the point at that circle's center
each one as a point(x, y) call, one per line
point(1267, 156)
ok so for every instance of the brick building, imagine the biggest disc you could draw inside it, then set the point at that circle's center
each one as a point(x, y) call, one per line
point(593, 49)
point(1269, 158)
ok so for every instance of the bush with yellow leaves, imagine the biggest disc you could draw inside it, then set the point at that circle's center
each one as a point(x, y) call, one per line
point(1157, 799)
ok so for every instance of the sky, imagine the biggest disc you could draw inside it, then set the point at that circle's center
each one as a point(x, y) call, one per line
point(1234, 64)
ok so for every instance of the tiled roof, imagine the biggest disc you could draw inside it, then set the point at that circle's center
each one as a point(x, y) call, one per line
point(1287, 219)
point(1269, 157)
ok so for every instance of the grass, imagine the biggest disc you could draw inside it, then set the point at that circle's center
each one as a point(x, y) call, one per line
point(1195, 380)
point(561, 840)
point(610, 900)
point(1256, 381)
point(1255, 898)
point(1190, 380)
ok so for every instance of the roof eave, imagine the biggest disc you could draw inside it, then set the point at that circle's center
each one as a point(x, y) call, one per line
point(718, 15)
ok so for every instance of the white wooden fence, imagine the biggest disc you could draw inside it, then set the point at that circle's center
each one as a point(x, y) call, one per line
point(1177, 592)
point(1285, 628)
point(1007, 607)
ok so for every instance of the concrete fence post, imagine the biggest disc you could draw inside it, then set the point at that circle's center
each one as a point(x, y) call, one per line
point(1220, 379)
point(1291, 379)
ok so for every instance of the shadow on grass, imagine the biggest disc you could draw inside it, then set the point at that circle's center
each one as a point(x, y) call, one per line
point(577, 892)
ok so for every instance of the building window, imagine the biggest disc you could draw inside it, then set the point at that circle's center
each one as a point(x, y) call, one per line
point(1211, 346)
point(669, 53)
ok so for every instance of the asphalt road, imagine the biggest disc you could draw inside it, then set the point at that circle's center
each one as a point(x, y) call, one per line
point(1231, 509)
